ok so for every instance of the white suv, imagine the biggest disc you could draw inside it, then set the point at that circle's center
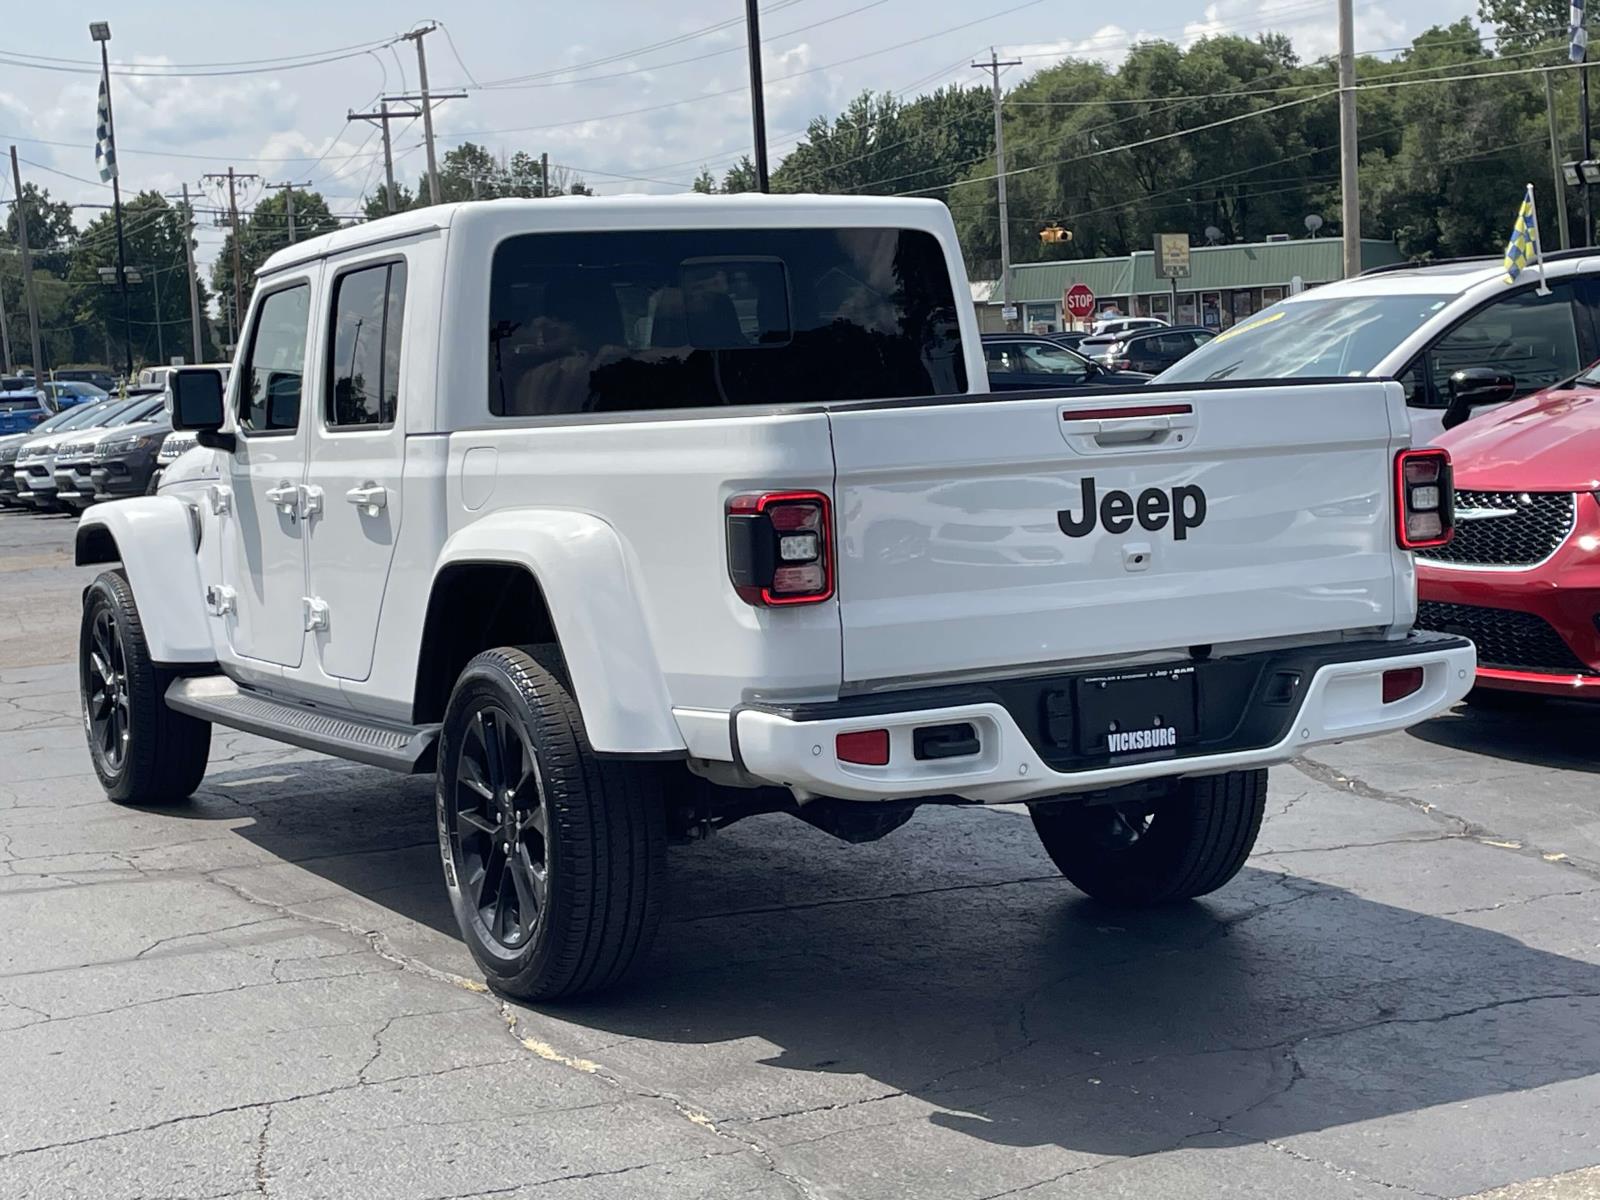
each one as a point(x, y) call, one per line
point(633, 517)
point(1455, 334)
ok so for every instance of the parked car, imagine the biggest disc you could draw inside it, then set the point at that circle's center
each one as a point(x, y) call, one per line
point(1153, 350)
point(1454, 333)
point(12, 443)
point(101, 377)
point(124, 461)
point(173, 447)
point(1027, 362)
point(35, 470)
point(1112, 326)
point(22, 405)
point(665, 563)
point(1070, 339)
point(62, 395)
point(1521, 577)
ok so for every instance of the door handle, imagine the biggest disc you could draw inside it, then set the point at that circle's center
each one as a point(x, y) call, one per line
point(369, 496)
point(286, 496)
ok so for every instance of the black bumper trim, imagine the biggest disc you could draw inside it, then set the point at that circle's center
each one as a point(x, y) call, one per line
point(1247, 702)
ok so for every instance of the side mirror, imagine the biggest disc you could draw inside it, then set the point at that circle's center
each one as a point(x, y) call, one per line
point(1473, 387)
point(197, 405)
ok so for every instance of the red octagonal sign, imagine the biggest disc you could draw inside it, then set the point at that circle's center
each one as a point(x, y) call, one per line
point(1080, 302)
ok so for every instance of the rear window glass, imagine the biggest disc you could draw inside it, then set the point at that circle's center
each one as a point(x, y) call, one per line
point(29, 403)
point(665, 319)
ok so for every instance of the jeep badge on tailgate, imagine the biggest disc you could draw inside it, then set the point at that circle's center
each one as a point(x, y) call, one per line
point(1184, 507)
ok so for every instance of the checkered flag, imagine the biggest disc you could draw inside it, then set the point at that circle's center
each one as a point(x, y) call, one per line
point(105, 145)
point(1578, 47)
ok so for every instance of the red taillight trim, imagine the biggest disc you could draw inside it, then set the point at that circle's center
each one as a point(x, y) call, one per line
point(758, 503)
point(1402, 682)
point(1402, 498)
point(863, 747)
point(1114, 414)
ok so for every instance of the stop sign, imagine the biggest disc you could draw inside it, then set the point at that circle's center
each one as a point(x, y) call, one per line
point(1079, 302)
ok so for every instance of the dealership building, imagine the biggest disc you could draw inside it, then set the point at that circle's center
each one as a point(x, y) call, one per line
point(1226, 284)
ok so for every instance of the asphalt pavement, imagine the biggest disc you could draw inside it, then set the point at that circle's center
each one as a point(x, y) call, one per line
point(261, 992)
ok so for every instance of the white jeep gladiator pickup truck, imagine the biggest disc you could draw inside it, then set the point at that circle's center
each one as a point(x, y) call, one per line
point(629, 518)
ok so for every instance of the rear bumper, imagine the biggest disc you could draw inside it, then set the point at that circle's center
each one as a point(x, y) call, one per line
point(1337, 694)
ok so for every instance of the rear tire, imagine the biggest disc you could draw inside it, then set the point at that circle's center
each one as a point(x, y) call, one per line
point(554, 858)
point(1176, 847)
point(143, 752)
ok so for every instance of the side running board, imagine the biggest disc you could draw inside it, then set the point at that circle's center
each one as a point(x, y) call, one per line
point(408, 749)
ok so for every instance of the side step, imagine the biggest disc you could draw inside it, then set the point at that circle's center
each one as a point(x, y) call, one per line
point(408, 749)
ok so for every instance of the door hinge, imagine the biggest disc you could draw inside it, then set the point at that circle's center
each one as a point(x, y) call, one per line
point(219, 600)
point(310, 501)
point(316, 613)
point(220, 499)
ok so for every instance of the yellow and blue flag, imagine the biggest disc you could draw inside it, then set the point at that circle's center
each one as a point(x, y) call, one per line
point(1524, 246)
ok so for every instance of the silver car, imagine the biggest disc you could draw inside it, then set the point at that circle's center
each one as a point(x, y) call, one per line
point(34, 470)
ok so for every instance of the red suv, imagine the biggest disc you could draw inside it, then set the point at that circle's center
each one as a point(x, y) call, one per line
point(1522, 576)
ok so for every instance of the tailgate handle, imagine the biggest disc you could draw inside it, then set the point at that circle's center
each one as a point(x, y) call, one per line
point(1132, 431)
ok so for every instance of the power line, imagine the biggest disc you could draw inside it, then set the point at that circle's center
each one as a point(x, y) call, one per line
point(153, 71)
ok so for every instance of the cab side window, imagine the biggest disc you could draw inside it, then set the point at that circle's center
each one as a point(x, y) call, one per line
point(274, 368)
point(1002, 357)
point(1052, 360)
point(364, 351)
point(1533, 338)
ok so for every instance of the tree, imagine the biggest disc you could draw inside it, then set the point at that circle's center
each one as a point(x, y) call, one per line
point(50, 229)
point(880, 144)
point(1522, 24)
point(154, 234)
point(263, 233)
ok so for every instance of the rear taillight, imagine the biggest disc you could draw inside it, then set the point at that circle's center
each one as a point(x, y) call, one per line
point(1424, 499)
point(780, 548)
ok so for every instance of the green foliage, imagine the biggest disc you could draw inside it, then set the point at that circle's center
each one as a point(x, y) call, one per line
point(1524, 23)
point(263, 233)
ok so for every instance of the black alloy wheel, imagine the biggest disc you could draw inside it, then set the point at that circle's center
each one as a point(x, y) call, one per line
point(500, 829)
point(105, 688)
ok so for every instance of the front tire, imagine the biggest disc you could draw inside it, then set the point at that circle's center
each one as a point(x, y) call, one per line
point(555, 859)
point(143, 752)
point(1177, 846)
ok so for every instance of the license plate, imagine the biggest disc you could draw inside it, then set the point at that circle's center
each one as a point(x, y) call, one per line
point(1148, 713)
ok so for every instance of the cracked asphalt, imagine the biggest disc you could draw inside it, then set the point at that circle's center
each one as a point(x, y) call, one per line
point(261, 993)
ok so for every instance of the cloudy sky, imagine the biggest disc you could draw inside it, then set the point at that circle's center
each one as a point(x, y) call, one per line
point(612, 90)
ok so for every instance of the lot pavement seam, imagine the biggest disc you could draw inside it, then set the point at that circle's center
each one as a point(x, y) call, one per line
point(1334, 778)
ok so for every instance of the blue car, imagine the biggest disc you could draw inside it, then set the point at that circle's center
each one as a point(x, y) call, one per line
point(22, 405)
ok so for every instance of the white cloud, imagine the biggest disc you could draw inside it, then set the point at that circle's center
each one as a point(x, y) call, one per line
point(1310, 26)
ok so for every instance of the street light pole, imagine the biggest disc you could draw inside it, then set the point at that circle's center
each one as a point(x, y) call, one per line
point(100, 31)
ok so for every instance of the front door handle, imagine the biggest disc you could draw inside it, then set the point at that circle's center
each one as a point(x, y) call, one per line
point(286, 496)
point(369, 496)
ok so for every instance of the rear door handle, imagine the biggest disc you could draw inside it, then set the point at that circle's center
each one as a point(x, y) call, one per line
point(370, 496)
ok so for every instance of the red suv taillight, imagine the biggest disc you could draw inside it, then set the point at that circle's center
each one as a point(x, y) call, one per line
point(1424, 498)
point(780, 548)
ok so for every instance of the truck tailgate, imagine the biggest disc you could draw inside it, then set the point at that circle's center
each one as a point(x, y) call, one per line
point(1009, 532)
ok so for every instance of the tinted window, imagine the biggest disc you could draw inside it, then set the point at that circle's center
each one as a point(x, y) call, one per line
point(1003, 357)
point(364, 367)
point(663, 319)
point(274, 371)
point(1531, 337)
point(1052, 360)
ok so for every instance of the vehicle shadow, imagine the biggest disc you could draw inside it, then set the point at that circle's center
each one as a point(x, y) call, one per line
point(1542, 733)
point(949, 967)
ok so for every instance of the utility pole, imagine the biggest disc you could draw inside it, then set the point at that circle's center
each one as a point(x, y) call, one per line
point(1578, 52)
point(544, 175)
point(758, 100)
point(5, 332)
point(993, 67)
point(233, 177)
point(288, 202)
point(27, 268)
point(416, 35)
point(1350, 196)
point(391, 198)
point(194, 284)
point(1555, 162)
